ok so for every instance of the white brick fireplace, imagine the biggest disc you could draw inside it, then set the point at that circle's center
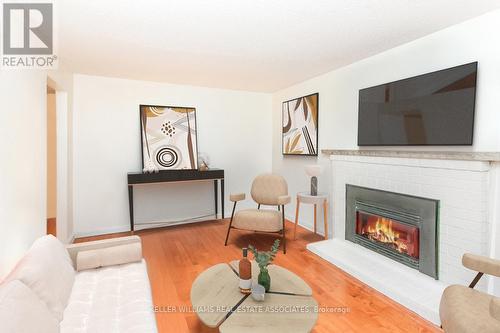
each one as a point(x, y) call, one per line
point(465, 185)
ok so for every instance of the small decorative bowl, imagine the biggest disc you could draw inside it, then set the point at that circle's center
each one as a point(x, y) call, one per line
point(258, 292)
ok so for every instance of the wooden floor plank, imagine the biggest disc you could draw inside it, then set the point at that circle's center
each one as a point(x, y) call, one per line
point(176, 255)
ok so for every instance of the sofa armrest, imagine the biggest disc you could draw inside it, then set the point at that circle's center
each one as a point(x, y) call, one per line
point(73, 249)
point(481, 264)
point(284, 199)
point(235, 197)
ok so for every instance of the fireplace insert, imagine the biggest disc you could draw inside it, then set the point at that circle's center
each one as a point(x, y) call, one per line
point(401, 227)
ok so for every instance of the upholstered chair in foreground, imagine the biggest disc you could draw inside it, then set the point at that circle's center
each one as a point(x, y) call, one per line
point(465, 310)
point(268, 190)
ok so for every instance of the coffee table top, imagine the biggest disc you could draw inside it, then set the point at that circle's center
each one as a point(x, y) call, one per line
point(288, 306)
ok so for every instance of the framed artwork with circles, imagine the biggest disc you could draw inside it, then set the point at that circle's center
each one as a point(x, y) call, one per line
point(168, 137)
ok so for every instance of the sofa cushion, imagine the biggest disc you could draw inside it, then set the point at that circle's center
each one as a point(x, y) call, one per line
point(111, 299)
point(47, 270)
point(21, 311)
point(115, 255)
point(74, 249)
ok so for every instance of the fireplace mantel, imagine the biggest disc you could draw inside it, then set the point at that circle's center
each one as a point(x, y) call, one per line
point(435, 155)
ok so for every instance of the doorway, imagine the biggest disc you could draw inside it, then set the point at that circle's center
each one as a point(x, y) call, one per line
point(51, 162)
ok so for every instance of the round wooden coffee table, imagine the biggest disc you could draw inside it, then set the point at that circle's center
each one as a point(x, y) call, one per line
point(288, 306)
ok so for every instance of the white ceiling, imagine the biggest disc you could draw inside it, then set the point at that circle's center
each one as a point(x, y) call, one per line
point(254, 45)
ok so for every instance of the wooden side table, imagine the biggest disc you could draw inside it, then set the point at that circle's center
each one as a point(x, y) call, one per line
point(320, 199)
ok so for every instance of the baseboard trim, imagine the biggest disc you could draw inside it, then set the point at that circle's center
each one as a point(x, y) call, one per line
point(309, 225)
point(148, 225)
point(71, 239)
point(100, 232)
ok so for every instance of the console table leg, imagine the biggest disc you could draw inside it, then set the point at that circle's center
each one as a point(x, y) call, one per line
point(216, 195)
point(131, 206)
point(222, 196)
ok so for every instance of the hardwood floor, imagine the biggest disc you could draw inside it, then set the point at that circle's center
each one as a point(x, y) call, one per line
point(176, 255)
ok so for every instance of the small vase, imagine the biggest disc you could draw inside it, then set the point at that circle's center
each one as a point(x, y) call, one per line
point(264, 279)
point(314, 186)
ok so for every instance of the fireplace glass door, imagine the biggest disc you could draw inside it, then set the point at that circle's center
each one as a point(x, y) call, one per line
point(399, 226)
point(388, 233)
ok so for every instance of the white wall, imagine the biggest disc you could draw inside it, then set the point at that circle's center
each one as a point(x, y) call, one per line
point(22, 162)
point(234, 128)
point(474, 40)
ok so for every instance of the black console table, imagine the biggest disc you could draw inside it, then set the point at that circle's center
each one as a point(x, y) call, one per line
point(166, 176)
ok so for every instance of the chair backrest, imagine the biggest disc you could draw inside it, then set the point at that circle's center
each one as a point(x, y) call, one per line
point(266, 189)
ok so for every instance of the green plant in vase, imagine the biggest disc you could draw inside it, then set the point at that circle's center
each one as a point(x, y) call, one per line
point(263, 259)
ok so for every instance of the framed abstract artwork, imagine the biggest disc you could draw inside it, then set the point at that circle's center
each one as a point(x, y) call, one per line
point(300, 126)
point(168, 137)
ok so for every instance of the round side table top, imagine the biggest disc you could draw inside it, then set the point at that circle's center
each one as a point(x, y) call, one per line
point(306, 197)
point(288, 306)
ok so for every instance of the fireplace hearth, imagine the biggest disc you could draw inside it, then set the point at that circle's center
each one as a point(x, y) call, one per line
point(401, 227)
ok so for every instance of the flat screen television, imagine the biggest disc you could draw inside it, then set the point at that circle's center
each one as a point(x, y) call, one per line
point(431, 109)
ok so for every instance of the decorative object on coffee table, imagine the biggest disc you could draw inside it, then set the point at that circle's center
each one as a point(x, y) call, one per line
point(314, 171)
point(319, 199)
point(217, 288)
point(258, 292)
point(245, 273)
point(300, 126)
point(263, 259)
point(168, 136)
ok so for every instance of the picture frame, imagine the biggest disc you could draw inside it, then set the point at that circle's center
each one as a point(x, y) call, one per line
point(299, 121)
point(168, 137)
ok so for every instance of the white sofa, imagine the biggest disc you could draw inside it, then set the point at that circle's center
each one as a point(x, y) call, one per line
point(99, 286)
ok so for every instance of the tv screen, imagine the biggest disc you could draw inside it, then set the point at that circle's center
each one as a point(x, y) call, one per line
point(430, 109)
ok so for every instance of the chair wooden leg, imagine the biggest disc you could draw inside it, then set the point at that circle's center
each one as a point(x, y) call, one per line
point(296, 219)
point(230, 224)
point(284, 228)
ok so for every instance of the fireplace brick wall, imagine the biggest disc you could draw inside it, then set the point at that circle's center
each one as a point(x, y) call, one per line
point(461, 186)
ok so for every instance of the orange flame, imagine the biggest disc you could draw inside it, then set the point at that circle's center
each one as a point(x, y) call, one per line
point(383, 231)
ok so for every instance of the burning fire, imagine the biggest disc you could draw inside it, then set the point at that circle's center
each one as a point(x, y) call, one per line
point(382, 231)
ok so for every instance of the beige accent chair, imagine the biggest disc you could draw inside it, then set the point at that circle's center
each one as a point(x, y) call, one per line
point(465, 310)
point(269, 190)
